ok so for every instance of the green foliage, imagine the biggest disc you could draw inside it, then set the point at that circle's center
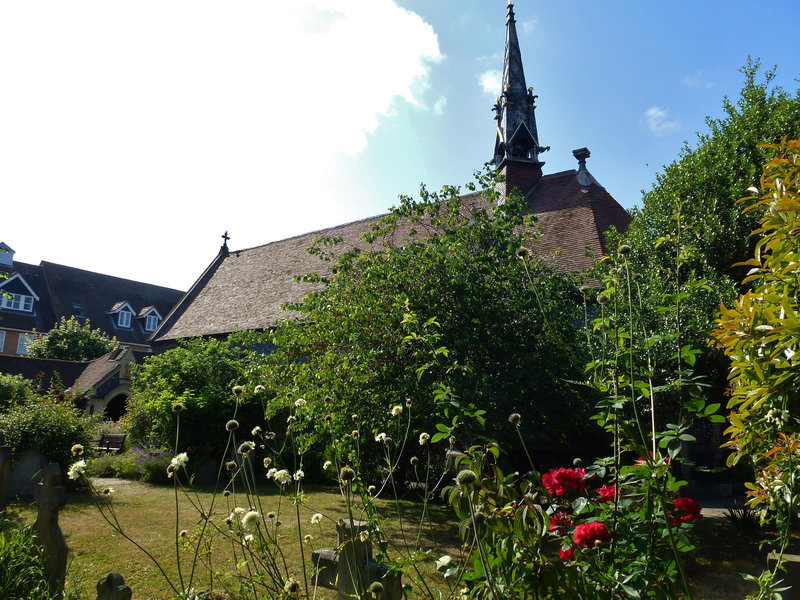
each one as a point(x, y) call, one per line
point(14, 389)
point(72, 340)
point(701, 187)
point(21, 564)
point(49, 426)
point(438, 308)
point(199, 374)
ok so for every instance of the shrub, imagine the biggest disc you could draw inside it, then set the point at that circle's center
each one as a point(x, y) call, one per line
point(150, 464)
point(49, 426)
point(21, 564)
point(14, 389)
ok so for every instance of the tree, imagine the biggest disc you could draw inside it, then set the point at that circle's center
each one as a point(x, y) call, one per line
point(14, 390)
point(697, 195)
point(72, 340)
point(445, 309)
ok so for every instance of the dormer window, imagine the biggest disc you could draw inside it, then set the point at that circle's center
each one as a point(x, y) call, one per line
point(124, 319)
point(151, 323)
point(149, 318)
point(19, 302)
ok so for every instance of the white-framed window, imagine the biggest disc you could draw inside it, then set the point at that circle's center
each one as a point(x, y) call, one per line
point(18, 302)
point(22, 343)
point(2, 340)
point(124, 319)
point(151, 323)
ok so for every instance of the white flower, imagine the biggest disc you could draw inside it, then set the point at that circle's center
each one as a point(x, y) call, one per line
point(443, 561)
point(299, 402)
point(256, 430)
point(423, 438)
point(316, 519)
point(271, 473)
point(328, 464)
point(282, 477)
point(239, 511)
point(363, 536)
point(397, 410)
point(180, 460)
point(380, 438)
point(267, 462)
point(298, 475)
point(291, 419)
point(77, 469)
point(248, 539)
point(250, 518)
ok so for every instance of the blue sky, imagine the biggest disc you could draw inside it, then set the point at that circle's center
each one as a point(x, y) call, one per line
point(134, 134)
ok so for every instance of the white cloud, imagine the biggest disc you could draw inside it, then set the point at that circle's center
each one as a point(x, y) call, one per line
point(658, 122)
point(440, 105)
point(529, 25)
point(491, 81)
point(207, 115)
point(698, 79)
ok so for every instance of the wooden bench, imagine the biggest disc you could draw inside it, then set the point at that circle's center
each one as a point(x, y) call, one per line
point(110, 443)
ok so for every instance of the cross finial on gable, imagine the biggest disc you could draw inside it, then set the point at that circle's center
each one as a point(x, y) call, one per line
point(225, 237)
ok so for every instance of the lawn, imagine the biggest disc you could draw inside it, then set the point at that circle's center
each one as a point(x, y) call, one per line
point(147, 514)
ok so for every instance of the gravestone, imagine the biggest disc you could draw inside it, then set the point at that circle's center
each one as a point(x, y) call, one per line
point(5, 470)
point(50, 498)
point(27, 473)
point(112, 587)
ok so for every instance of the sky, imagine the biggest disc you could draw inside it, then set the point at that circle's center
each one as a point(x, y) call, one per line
point(134, 134)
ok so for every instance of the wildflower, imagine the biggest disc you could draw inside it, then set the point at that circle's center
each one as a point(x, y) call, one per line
point(248, 539)
point(250, 518)
point(237, 390)
point(232, 425)
point(77, 450)
point(282, 477)
point(577, 462)
point(587, 534)
point(465, 478)
point(271, 515)
point(522, 252)
point(298, 475)
point(354, 434)
point(246, 448)
point(108, 491)
point(397, 410)
point(180, 460)
point(443, 562)
point(423, 438)
point(380, 438)
point(290, 419)
point(414, 461)
point(637, 276)
point(256, 431)
point(602, 299)
point(583, 289)
point(239, 511)
point(409, 403)
point(77, 469)
point(354, 418)
point(270, 435)
point(291, 586)
point(226, 493)
point(375, 588)
point(452, 441)
point(177, 407)
point(300, 402)
point(363, 536)
point(170, 470)
point(316, 519)
point(686, 510)
point(514, 418)
point(308, 538)
point(230, 465)
point(327, 399)
point(624, 250)
point(271, 472)
point(327, 465)
point(371, 490)
point(777, 416)
point(347, 474)
point(259, 389)
point(606, 493)
point(267, 462)
point(289, 395)
point(562, 481)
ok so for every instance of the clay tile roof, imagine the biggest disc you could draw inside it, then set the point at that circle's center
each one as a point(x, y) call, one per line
point(97, 370)
point(572, 219)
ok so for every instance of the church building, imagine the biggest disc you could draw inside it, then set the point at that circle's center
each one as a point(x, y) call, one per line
point(245, 289)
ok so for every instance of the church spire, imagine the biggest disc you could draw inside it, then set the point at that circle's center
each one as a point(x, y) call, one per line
point(517, 139)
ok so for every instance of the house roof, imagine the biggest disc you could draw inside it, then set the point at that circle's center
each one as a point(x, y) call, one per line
point(245, 289)
point(42, 317)
point(96, 371)
point(96, 295)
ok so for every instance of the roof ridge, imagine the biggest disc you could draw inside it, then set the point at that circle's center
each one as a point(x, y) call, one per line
point(155, 285)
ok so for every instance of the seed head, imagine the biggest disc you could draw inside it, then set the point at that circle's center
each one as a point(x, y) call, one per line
point(177, 407)
point(514, 418)
point(232, 425)
point(237, 390)
point(624, 250)
point(466, 478)
point(347, 474)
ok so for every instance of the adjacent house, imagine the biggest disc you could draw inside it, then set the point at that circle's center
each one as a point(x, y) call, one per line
point(245, 289)
point(33, 298)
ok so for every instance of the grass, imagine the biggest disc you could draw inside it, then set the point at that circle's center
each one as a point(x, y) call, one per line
point(147, 513)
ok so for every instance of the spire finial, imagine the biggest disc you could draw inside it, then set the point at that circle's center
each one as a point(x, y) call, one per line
point(224, 248)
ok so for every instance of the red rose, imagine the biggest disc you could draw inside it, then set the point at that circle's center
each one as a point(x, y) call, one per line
point(568, 554)
point(559, 521)
point(560, 481)
point(686, 509)
point(606, 493)
point(586, 534)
